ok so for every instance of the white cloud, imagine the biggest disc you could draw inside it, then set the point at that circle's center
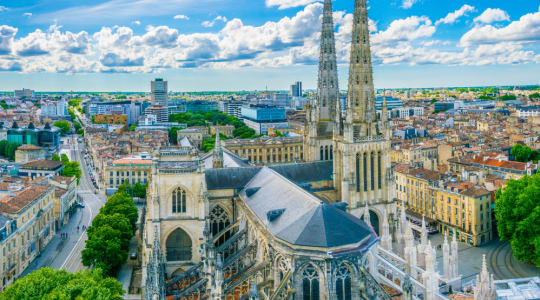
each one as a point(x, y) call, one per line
point(527, 29)
point(402, 30)
point(406, 4)
point(491, 15)
point(452, 17)
point(284, 4)
point(27, 14)
point(136, 22)
point(181, 17)
point(3, 8)
point(7, 33)
point(213, 22)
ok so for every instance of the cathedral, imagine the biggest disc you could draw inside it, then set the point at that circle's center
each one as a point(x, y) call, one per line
point(216, 227)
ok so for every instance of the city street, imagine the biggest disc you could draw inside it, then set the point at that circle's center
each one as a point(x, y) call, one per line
point(66, 254)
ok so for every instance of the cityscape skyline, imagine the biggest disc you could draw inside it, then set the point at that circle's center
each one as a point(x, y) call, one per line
point(257, 45)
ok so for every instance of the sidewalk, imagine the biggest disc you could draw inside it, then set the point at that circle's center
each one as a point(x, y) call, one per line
point(56, 252)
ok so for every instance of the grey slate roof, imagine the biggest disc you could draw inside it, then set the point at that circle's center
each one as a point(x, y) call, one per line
point(230, 160)
point(307, 220)
point(236, 178)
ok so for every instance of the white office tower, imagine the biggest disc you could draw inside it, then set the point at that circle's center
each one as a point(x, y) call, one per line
point(159, 92)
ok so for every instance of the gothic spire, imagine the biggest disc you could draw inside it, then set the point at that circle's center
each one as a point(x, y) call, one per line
point(361, 116)
point(218, 152)
point(327, 84)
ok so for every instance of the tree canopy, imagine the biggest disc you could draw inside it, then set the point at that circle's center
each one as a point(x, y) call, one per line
point(524, 153)
point(517, 210)
point(63, 125)
point(7, 149)
point(208, 144)
point(214, 118)
point(47, 283)
point(55, 157)
point(108, 238)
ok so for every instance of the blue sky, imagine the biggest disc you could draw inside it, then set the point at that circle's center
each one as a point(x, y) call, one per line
point(120, 45)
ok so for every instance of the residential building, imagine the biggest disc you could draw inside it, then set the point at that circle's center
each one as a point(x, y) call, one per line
point(231, 107)
point(24, 93)
point(494, 165)
point(416, 187)
point(159, 92)
point(226, 130)
point(26, 228)
point(65, 195)
point(134, 168)
point(267, 150)
point(528, 111)
point(38, 168)
point(133, 109)
point(161, 113)
point(29, 152)
point(421, 154)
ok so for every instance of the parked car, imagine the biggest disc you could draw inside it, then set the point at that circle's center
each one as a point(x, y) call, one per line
point(133, 255)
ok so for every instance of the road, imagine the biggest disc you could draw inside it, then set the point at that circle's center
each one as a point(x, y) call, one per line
point(504, 265)
point(66, 254)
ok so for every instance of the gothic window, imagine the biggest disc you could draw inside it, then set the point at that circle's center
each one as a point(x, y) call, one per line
point(219, 220)
point(322, 153)
point(310, 283)
point(179, 201)
point(178, 246)
point(331, 152)
point(379, 169)
point(372, 170)
point(343, 283)
point(365, 172)
point(358, 172)
point(326, 156)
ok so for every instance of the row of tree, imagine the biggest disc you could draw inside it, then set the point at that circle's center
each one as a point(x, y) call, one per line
point(47, 283)
point(107, 245)
point(136, 190)
point(63, 125)
point(71, 168)
point(7, 149)
point(517, 211)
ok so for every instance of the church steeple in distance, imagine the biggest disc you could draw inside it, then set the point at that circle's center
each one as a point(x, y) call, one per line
point(361, 116)
point(327, 84)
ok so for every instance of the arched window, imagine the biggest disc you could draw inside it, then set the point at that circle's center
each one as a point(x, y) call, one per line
point(178, 246)
point(219, 220)
point(310, 283)
point(343, 283)
point(326, 155)
point(331, 152)
point(358, 172)
point(322, 153)
point(178, 201)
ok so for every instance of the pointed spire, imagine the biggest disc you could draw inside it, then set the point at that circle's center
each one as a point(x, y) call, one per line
point(384, 112)
point(386, 240)
point(361, 116)
point(218, 152)
point(327, 84)
point(424, 233)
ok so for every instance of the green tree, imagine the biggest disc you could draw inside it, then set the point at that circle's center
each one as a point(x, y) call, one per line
point(173, 135)
point(64, 158)
point(139, 190)
point(133, 126)
point(49, 284)
point(55, 157)
point(208, 144)
point(121, 203)
point(534, 96)
point(4, 104)
point(117, 222)
point(104, 250)
point(71, 169)
point(517, 210)
point(508, 97)
point(10, 150)
point(63, 125)
point(3, 144)
point(523, 153)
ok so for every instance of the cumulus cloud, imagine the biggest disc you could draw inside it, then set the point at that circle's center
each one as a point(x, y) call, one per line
point(526, 29)
point(7, 33)
point(491, 15)
point(213, 22)
point(406, 4)
point(452, 17)
point(27, 14)
point(3, 8)
point(284, 4)
point(181, 17)
point(136, 22)
point(289, 41)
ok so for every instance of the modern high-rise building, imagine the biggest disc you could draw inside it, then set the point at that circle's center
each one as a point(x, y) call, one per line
point(296, 89)
point(159, 92)
point(26, 93)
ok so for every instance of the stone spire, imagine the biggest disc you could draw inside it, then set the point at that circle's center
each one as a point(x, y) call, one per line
point(446, 259)
point(384, 111)
point(361, 118)
point(217, 161)
point(485, 286)
point(430, 276)
point(410, 250)
point(454, 257)
point(386, 239)
point(327, 84)
point(422, 248)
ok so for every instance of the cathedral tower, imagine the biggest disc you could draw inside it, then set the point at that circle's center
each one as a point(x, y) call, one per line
point(362, 173)
point(321, 113)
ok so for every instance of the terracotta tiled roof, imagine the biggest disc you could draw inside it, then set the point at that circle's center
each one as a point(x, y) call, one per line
point(59, 192)
point(14, 204)
point(42, 164)
point(29, 147)
point(475, 191)
point(418, 172)
point(63, 179)
point(132, 161)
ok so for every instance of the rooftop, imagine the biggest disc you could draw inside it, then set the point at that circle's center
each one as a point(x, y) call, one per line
point(17, 201)
point(42, 164)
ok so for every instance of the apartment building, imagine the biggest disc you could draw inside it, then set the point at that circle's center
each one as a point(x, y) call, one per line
point(134, 169)
point(26, 227)
point(422, 155)
point(417, 188)
point(267, 150)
